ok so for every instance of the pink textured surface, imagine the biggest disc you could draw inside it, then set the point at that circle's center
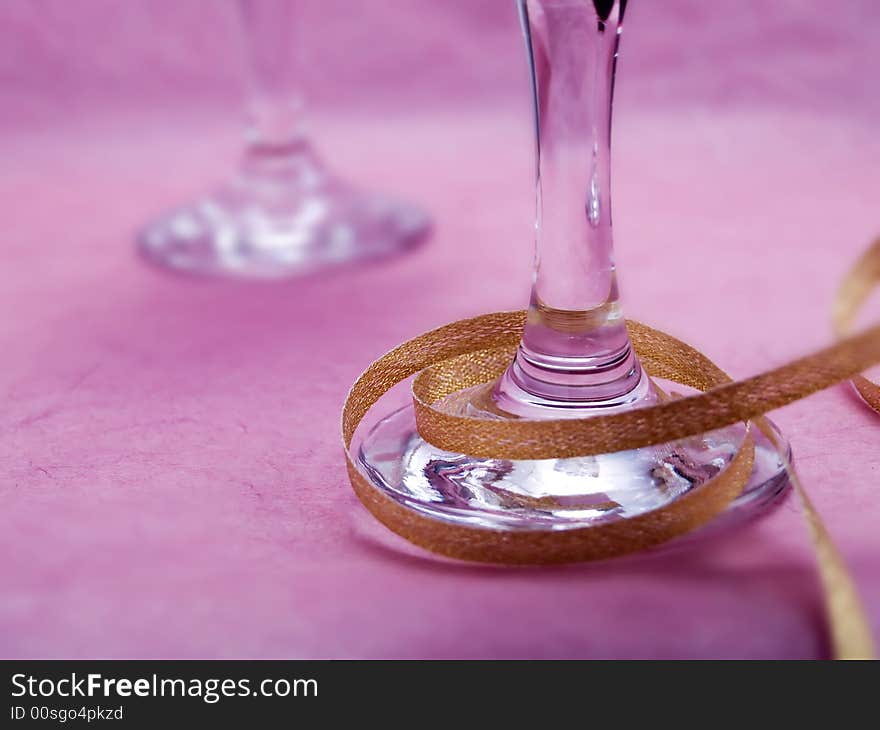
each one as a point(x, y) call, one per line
point(172, 483)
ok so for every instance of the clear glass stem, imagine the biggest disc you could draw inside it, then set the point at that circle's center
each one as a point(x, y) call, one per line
point(575, 358)
point(276, 145)
point(575, 352)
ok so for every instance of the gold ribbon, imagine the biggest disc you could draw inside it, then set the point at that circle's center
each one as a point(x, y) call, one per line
point(476, 351)
point(854, 290)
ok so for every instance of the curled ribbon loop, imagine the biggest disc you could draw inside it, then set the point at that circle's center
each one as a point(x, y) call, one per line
point(475, 351)
point(853, 292)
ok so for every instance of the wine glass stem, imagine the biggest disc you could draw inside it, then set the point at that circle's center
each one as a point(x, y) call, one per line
point(275, 140)
point(575, 349)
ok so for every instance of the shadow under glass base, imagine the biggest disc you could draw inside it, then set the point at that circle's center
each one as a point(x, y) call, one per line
point(559, 494)
point(270, 233)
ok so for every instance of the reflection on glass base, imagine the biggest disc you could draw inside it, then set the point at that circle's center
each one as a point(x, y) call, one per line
point(558, 494)
point(247, 233)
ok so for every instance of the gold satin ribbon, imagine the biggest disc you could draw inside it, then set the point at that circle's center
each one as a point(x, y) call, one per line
point(853, 292)
point(476, 351)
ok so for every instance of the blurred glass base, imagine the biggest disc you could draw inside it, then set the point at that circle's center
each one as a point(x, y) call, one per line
point(269, 231)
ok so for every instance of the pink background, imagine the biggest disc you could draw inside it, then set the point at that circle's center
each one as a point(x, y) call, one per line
point(172, 482)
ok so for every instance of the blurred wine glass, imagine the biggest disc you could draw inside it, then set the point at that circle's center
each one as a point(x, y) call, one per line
point(283, 213)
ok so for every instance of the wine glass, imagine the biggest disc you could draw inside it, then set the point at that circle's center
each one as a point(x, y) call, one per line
point(284, 213)
point(575, 358)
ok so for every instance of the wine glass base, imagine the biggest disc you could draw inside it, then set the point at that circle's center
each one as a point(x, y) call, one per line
point(560, 494)
point(244, 234)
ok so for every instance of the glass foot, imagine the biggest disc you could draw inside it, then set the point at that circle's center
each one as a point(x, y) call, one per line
point(558, 494)
point(244, 232)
